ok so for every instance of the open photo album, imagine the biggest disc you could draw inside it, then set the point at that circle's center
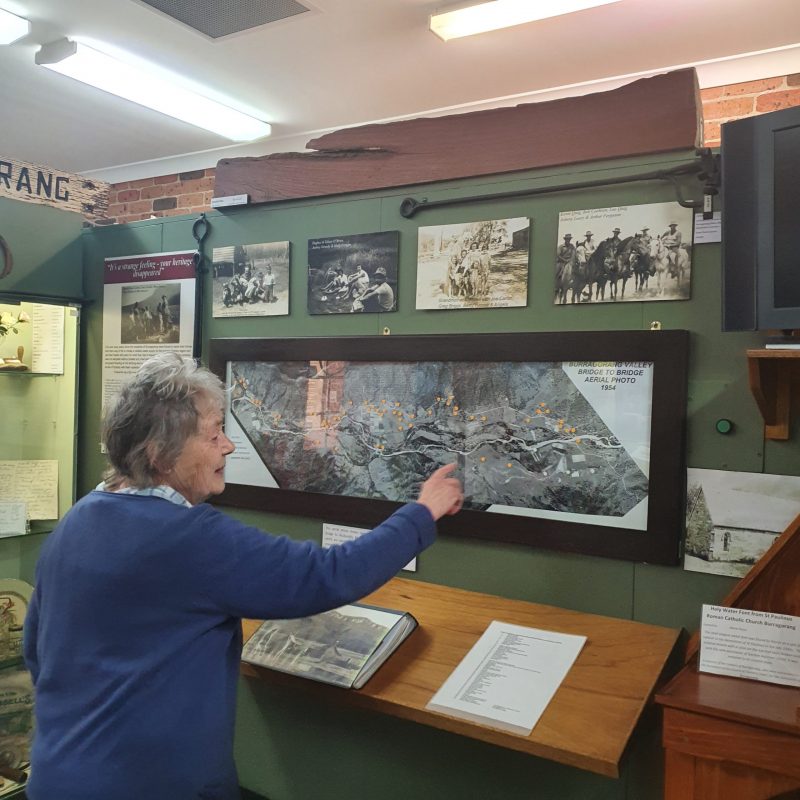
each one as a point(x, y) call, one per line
point(343, 647)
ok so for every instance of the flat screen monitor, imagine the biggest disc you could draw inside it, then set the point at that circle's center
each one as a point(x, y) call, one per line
point(761, 222)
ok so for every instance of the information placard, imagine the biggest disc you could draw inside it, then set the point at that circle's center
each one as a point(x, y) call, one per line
point(760, 645)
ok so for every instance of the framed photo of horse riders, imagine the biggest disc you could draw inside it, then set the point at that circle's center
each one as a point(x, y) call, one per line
point(624, 254)
point(355, 274)
point(568, 441)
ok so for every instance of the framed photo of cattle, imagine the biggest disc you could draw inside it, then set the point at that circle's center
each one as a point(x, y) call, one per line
point(473, 264)
point(569, 441)
point(624, 254)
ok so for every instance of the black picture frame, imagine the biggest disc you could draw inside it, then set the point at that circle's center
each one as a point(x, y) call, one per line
point(668, 351)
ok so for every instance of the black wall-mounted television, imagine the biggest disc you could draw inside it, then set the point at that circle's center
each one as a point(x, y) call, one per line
point(761, 222)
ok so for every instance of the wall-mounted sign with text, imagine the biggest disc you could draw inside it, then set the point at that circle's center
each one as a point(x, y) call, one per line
point(148, 306)
point(33, 183)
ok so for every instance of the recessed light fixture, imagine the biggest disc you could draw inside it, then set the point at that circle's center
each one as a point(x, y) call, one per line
point(483, 17)
point(12, 27)
point(149, 88)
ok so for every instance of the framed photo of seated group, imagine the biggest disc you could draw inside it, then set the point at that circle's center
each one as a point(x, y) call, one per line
point(568, 441)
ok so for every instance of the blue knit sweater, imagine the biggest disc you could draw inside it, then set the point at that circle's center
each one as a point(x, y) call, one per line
point(133, 637)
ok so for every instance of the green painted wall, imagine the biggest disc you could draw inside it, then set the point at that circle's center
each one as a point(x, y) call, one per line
point(45, 243)
point(289, 748)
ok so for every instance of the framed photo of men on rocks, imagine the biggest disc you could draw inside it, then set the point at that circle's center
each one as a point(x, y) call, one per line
point(353, 274)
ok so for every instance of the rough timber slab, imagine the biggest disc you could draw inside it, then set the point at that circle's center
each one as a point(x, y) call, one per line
point(651, 115)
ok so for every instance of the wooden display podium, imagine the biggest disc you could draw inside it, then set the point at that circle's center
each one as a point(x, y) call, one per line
point(589, 721)
point(733, 738)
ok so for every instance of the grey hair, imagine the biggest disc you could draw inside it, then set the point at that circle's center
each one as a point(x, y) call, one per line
point(155, 413)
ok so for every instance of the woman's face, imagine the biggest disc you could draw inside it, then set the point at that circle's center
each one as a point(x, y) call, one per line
point(199, 471)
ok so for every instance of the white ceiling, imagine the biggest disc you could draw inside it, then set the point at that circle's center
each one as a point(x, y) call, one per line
point(347, 62)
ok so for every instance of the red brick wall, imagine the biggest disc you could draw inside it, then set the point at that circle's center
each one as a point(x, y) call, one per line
point(191, 192)
point(725, 103)
point(163, 196)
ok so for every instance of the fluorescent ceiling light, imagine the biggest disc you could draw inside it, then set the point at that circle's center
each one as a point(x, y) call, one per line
point(12, 27)
point(503, 14)
point(149, 88)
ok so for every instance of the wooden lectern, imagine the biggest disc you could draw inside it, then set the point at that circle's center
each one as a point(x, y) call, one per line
point(733, 738)
point(589, 721)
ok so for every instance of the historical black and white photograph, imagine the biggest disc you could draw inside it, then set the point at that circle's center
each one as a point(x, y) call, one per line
point(732, 518)
point(623, 254)
point(150, 313)
point(353, 274)
point(473, 264)
point(251, 280)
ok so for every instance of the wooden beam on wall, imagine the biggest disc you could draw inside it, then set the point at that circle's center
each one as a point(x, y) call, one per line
point(34, 183)
point(651, 115)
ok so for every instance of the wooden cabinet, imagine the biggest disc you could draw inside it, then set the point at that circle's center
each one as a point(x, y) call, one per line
point(732, 738)
point(729, 738)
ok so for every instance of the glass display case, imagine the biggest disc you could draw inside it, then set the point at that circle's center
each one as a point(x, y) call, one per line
point(38, 383)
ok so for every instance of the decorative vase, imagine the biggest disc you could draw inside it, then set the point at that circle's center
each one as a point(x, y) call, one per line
point(14, 363)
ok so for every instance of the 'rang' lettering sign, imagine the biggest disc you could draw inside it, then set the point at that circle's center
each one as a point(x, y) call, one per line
point(32, 183)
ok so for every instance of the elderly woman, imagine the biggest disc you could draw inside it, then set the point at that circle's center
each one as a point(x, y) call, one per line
point(133, 636)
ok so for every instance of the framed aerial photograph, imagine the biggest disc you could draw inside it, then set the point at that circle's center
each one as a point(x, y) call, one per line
point(251, 280)
point(473, 264)
point(568, 441)
point(353, 274)
point(624, 254)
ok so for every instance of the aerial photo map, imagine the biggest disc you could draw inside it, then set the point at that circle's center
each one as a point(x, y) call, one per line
point(541, 439)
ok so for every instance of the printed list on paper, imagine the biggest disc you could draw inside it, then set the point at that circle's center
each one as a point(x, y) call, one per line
point(508, 677)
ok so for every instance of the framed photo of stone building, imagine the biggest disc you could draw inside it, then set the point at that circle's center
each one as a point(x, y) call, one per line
point(732, 518)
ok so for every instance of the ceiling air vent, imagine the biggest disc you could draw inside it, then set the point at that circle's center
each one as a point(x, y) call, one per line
point(216, 18)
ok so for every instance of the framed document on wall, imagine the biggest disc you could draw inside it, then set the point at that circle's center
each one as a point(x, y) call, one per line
point(567, 441)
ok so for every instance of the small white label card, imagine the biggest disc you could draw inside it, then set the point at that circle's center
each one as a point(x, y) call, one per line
point(707, 231)
point(13, 517)
point(759, 645)
point(336, 534)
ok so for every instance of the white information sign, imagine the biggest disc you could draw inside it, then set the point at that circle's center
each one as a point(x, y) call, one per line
point(707, 231)
point(759, 645)
point(13, 517)
point(148, 306)
point(336, 534)
point(48, 338)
